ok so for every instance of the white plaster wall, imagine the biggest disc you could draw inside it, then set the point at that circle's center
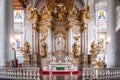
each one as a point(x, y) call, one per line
point(117, 16)
point(28, 32)
point(92, 33)
point(49, 40)
point(70, 40)
point(2, 33)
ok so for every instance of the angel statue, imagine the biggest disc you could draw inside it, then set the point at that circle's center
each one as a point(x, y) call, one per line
point(93, 48)
point(43, 49)
point(26, 47)
point(76, 49)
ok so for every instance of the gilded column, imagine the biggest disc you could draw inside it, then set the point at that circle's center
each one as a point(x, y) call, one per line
point(85, 17)
point(35, 45)
point(34, 17)
point(86, 45)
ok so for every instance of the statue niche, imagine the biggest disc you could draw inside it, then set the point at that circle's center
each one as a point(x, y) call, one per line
point(59, 43)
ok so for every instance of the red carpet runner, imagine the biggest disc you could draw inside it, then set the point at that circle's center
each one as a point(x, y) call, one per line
point(59, 72)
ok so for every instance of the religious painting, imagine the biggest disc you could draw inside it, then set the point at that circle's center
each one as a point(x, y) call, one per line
point(101, 14)
point(18, 16)
point(101, 17)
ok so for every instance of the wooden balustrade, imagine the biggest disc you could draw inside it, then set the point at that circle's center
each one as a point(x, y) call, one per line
point(101, 73)
point(20, 73)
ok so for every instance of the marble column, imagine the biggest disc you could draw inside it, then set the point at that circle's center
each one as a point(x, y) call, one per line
point(111, 47)
point(117, 30)
point(85, 44)
point(35, 46)
point(6, 27)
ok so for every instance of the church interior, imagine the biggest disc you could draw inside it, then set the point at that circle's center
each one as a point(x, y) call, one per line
point(60, 37)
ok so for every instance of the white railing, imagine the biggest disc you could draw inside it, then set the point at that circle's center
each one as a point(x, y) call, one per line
point(101, 73)
point(20, 73)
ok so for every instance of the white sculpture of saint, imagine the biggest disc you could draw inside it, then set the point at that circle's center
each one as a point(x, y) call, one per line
point(60, 44)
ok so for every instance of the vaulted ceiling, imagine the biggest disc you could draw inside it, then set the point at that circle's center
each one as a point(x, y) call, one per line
point(19, 4)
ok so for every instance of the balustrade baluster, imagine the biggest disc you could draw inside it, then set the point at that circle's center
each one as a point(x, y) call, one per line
point(12, 73)
point(27, 76)
point(9, 73)
point(38, 74)
point(30, 74)
point(116, 72)
point(23, 71)
point(112, 70)
point(87, 74)
point(21, 74)
point(14, 70)
point(107, 73)
point(101, 73)
point(33, 73)
point(18, 73)
point(92, 74)
point(111, 73)
point(83, 73)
